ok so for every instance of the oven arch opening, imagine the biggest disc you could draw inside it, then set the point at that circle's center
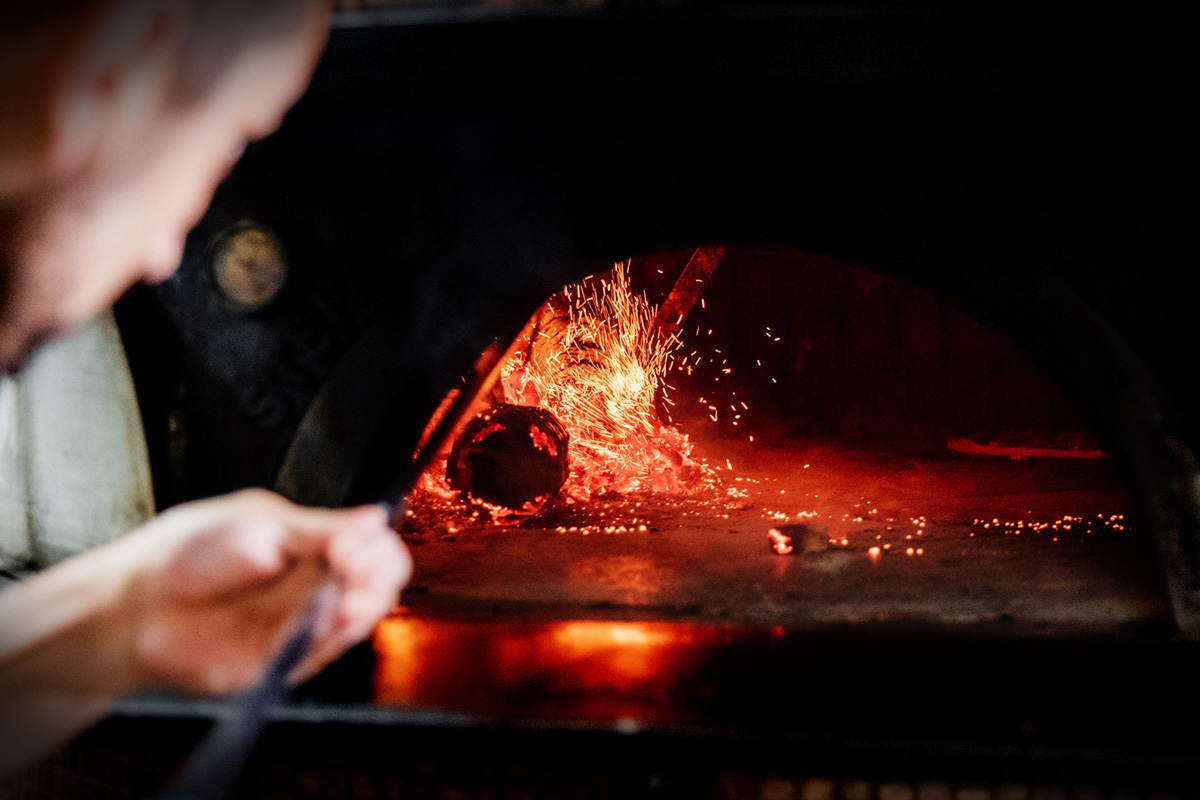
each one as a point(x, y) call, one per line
point(845, 390)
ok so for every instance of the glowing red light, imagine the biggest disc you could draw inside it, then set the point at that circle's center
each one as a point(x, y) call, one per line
point(780, 543)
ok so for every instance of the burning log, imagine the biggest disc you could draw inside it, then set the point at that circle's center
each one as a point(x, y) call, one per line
point(510, 459)
point(592, 360)
point(597, 359)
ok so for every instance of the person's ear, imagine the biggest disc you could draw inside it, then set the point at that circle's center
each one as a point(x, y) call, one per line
point(115, 79)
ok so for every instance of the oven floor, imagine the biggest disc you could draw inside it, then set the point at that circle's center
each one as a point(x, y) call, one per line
point(989, 653)
point(1027, 545)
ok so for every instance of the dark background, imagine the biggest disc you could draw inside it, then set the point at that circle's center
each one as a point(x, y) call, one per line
point(452, 165)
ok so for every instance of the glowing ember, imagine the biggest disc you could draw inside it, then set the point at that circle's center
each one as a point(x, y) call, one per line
point(1079, 524)
point(780, 543)
point(542, 442)
point(596, 361)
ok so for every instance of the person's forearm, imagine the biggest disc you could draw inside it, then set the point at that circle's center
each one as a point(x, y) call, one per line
point(33, 725)
point(63, 653)
point(197, 599)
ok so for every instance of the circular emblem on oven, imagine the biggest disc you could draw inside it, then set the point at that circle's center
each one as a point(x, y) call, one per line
point(248, 265)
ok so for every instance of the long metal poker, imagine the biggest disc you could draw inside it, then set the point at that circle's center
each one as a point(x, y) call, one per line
point(218, 760)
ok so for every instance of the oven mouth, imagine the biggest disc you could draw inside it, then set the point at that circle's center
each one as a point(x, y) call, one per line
point(453, 203)
point(825, 445)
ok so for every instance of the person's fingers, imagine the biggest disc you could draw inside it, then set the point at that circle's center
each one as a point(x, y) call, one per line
point(220, 645)
point(305, 521)
point(318, 522)
point(237, 554)
point(311, 529)
point(369, 567)
point(232, 572)
point(372, 567)
point(245, 527)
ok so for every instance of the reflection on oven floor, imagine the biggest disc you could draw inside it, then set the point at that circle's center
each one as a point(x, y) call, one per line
point(1026, 546)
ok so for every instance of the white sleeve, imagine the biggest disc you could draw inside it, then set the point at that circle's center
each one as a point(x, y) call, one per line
point(74, 471)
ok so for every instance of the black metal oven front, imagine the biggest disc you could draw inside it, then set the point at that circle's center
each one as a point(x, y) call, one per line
point(453, 166)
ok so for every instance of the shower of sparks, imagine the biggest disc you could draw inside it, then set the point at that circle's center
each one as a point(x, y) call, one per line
point(598, 366)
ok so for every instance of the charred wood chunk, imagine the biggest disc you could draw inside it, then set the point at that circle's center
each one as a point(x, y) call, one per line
point(510, 456)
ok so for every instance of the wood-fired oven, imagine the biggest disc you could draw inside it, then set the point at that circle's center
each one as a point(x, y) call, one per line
point(944, 356)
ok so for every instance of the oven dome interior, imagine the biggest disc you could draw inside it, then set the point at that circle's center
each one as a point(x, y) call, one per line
point(925, 470)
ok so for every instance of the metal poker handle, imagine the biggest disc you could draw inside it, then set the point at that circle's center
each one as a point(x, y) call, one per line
point(218, 760)
point(216, 763)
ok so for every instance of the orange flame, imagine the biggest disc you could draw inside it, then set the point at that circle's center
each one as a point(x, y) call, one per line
point(598, 365)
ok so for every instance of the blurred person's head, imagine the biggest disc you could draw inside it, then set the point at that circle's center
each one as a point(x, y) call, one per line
point(117, 120)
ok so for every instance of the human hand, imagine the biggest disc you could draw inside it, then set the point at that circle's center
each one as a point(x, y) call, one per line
point(199, 599)
point(216, 586)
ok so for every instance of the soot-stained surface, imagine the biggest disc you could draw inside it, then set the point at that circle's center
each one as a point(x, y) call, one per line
point(941, 538)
